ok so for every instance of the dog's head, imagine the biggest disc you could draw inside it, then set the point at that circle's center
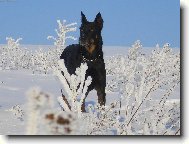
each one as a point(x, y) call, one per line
point(90, 33)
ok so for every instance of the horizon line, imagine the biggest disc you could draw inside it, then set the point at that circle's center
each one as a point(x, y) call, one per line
point(103, 45)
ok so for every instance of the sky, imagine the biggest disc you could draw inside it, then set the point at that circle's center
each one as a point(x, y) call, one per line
point(125, 21)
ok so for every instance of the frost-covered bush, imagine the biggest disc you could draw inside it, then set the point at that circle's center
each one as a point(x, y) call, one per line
point(45, 61)
point(138, 78)
point(59, 41)
point(17, 112)
point(44, 119)
point(51, 57)
point(12, 56)
point(74, 87)
point(38, 102)
point(40, 61)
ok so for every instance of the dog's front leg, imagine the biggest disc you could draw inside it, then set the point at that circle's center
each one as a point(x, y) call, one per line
point(100, 86)
point(101, 96)
point(83, 104)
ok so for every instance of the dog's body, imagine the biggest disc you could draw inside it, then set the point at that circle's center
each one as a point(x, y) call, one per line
point(89, 50)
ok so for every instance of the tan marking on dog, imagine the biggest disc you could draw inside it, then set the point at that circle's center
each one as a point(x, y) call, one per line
point(91, 48)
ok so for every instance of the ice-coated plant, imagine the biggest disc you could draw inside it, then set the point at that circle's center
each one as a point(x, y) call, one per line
point(137, 78)
point(38, 103)
point(74, 87)
point(17, 112)
point(60, 123)
point(45, 61)
point(63, 29)
point(43, 118)
point(12, 56)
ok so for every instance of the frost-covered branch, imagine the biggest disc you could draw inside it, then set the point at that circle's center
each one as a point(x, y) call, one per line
point(61, 32)
point(74, 86)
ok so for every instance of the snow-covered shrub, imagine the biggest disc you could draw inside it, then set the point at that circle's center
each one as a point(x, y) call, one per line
point(12, 56)
point(61, 32)
point(138, 78)
point(39, 62)
point(74, 86)
point(17, 112)
point(59, 42)
point(45, 61)
point(60, 123)
point(45, 119)
point(38, 103)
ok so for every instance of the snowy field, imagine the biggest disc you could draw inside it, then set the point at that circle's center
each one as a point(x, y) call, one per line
point(142, 90)
point(15, 83)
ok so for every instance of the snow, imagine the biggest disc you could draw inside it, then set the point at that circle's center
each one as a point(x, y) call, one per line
point(15, 83)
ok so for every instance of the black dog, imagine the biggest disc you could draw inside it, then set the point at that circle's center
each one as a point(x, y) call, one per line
point(89, 50)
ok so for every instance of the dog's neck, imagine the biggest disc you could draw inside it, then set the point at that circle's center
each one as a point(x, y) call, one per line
point(93, 52)
point(91, 55)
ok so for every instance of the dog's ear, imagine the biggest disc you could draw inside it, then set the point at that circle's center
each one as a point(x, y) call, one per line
point(99, 21)
point(83, 18)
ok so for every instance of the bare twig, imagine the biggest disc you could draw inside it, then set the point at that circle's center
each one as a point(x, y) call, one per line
point(65, 99)
point(141, 104)
point(112, 106)
point(177, 131)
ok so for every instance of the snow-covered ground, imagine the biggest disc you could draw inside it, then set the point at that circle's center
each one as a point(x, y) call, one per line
point(15, 83)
